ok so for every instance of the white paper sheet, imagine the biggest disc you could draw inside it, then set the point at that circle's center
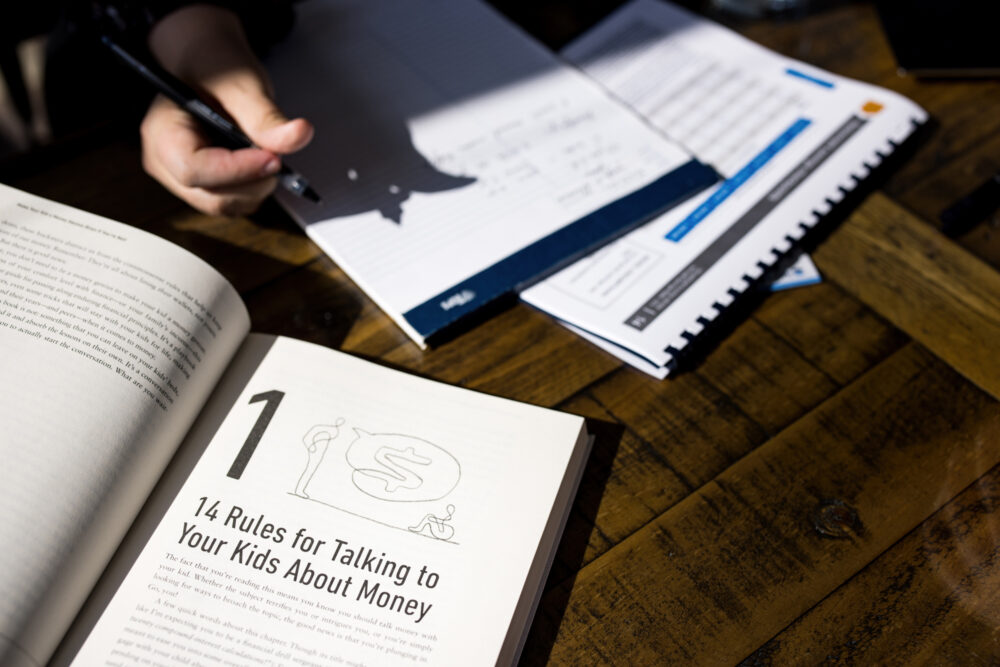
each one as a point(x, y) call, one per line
point(112, 340)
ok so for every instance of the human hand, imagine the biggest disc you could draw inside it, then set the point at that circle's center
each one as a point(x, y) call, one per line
point(205, 47)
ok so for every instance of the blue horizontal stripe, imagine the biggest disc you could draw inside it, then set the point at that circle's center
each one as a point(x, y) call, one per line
point(731, 185)
point(809, 77)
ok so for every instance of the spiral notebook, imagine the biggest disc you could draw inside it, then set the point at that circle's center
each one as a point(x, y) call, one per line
point(789, 139)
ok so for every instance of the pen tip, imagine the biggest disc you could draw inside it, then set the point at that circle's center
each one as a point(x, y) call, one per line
point(311, 195)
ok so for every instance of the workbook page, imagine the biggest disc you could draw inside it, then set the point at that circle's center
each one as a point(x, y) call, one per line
point(112, 340)
point(789, 139)
point(345, 513)
point(446, 142)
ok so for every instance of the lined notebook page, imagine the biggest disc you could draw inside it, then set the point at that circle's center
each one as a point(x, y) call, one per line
point(447, 140)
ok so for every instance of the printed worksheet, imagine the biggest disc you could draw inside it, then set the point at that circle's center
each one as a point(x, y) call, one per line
point(789, 139)
point(456, 158)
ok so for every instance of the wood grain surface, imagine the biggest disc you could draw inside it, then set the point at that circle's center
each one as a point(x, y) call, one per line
point(929, 287)
point(748, 552)
point(821, 487)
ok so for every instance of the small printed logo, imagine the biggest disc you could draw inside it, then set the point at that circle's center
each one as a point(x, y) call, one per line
point(458, 299)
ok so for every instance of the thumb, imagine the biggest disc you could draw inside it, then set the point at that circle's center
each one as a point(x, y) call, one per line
point(245, 96)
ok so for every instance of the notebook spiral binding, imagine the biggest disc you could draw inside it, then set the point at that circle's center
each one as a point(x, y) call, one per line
point(734, 304)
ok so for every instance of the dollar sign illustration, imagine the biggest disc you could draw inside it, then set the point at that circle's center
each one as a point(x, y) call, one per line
point(401, 468)
point(395, 474)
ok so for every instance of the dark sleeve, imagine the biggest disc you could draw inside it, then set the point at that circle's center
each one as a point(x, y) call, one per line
point(265, 21)
point(86, 87)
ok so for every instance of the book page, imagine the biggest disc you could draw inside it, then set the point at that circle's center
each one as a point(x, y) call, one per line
point(112, 340)
point(790, 139)
point(446, 142)
point(345, 513)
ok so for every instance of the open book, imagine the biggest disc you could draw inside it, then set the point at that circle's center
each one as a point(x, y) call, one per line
point(791, 141)
point(309, 508)
point(458, 159)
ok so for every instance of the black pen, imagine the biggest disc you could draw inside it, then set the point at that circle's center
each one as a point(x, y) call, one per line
point(222, 129)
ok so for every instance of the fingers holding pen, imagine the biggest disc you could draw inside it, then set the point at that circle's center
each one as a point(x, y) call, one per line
point(246, 98)
point(212, 179)
point(205, 47)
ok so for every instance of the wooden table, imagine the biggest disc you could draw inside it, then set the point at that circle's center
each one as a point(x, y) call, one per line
point(821, 487)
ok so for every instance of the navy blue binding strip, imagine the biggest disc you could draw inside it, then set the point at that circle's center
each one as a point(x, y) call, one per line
point(559, 248)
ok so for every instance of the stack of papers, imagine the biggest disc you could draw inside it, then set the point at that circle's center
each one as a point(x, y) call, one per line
point(459, 160)
point(789, 139)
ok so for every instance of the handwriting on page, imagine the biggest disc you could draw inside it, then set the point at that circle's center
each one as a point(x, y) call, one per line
point(557, 158)
point(525, 149)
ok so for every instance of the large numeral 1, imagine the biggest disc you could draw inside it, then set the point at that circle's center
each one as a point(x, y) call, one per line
point(257, 432)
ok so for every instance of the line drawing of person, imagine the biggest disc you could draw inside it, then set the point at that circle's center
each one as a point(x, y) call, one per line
point(317, 441)
point(434, 526)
